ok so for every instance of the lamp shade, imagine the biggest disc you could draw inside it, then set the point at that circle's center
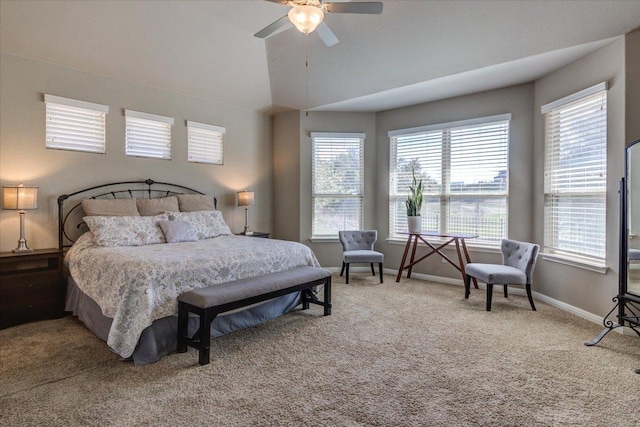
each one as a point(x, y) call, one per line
point(306, 18)
point(19, 197)
point(245, 198)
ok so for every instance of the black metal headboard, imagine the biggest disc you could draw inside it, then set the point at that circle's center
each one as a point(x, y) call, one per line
point(148, 189)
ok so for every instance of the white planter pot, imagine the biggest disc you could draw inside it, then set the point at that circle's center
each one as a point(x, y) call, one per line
point(415, 224)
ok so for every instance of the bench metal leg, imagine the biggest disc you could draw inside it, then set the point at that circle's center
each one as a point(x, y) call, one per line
point(183, 318)
point(305, 296)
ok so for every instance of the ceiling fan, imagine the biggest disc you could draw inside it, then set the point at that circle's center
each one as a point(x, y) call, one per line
point(308, 15)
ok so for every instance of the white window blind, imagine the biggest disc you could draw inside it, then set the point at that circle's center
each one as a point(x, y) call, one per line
point(205, 144)
point(576, 175)
point(148, 135)
point(337, 181)
point(75, 125)
point(464, 169)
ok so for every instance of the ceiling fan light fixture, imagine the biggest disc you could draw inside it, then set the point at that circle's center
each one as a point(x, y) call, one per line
point(306, 18)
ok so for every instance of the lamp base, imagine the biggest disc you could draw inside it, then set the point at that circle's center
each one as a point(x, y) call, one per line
point(22, 251)
point(22, 248)
point(22, 242)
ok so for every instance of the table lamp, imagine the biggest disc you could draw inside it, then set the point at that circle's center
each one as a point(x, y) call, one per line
point(246, 199)
point(20, 198)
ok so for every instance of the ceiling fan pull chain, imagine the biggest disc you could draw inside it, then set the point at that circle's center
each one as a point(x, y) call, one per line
point(306, 75)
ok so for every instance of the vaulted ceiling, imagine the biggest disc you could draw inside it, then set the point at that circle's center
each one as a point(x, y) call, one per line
point(415, 51)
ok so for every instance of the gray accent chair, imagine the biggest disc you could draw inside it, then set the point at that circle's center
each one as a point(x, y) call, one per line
point(358, 248)
point(518, 263)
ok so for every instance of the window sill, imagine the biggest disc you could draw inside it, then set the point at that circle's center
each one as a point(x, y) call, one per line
point(324, 240)
point(576, 262)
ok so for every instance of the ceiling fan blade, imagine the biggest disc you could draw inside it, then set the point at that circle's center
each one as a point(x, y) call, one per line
point(273, 27)
point(374, 8)
point(282, 2)
point(326, 34)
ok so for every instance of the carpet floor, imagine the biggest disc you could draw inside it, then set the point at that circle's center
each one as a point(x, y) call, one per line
point(413, 353)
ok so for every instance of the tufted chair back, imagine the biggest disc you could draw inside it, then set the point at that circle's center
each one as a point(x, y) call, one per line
point(520, 255)
point(358, 239)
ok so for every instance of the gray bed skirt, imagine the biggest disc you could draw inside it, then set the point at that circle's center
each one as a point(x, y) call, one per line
point(160, 339)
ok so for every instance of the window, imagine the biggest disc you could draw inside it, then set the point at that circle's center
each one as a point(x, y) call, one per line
point(575, 177)
point(464, 168)
point(204, 143)
point(75, 125)
point(337, 182)
point(148, 135)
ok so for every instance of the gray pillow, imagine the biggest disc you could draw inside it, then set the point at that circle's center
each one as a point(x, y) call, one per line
point(150, 207)
point(195, 202)
point(178, 231)
point(110, 207)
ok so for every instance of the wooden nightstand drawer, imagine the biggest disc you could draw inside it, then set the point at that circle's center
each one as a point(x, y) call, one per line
point(31, 287)
point(21, 285)
point(31, 308)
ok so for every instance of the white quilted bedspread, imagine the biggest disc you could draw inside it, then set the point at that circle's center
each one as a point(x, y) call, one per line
point(138, 284)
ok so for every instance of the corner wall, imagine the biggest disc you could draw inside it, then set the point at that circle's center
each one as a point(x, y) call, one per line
point(286, 156)
point(588, 290)
point(632, 71)
point(330, 253)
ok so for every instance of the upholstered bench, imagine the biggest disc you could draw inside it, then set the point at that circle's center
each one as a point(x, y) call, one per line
point(208, 302)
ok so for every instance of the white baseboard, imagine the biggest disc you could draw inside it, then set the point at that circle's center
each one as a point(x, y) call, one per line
point(516, 291)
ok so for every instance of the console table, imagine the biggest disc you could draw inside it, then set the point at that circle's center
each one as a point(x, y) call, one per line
point(457, 239)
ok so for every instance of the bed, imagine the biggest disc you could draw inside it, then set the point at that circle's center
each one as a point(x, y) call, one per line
point(125, 272)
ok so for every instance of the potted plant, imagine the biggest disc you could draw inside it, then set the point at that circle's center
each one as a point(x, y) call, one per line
point(414, 205)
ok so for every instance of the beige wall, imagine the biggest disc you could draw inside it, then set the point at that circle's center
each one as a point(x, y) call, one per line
point(273, 157)
point(248, 154)
point(590, 291)
point(517, 100)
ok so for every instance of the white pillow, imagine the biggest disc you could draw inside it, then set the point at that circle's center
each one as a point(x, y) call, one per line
point(178, 231)
point(126, 230)
point(207, 224)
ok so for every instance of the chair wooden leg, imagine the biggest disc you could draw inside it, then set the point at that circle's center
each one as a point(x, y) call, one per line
point(380, 268)
point(342, 271)
point(533, 307)
point(347, 281)
point(506, 295)
point(372, 270)
point(489, 295)
point(467, 285)
point(205, 337)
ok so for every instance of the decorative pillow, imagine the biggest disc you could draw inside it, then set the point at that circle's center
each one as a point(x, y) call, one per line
point(110, 207)
point(150, 207)
point(178, 231)
point(207, 224)
point(195, 202)
point(126, 230)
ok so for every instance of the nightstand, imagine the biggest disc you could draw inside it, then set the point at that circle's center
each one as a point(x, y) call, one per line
point(256, 234)
point(31, 286)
